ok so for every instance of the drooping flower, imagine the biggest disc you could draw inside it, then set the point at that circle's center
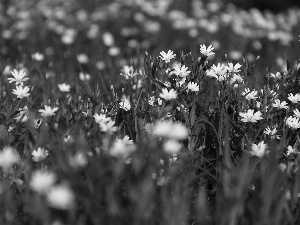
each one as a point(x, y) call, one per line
point(61, 197)
point(259, 149)
point(39, 154)
point(167, 56)
point(19, 76)
point(250, 116)
point(42, 181)
point(206, 51)
point(48, 111)
point(21, 92)
point(168, 95)
point(280, 105)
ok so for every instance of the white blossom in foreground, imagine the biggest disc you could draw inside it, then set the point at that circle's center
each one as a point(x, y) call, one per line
point(170, 129)
point(258, 150)
point(64, 87)
point(206, 51)
point(8, 157)
point(250, 116)
point(61, 197)
point(21, 92)
point(280, 105)
point(294, 98)
point(249, 94)
point(42, 181)
point(172, 146)
point(193, 87)
point(233, 68)
point(293, 122)
point(167, 56)
point(19, 76)
point(168, 95)
point(39, 154)
point(48, 111)
point(296, 113)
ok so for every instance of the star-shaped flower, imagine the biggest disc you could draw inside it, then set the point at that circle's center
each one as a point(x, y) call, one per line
point(250, 116)
point(48, 111)
point(19, 76)
point(167, 56)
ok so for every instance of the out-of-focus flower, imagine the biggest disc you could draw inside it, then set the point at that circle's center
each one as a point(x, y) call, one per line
point(23, 115)
point(293, 122)
point(108, 127)
point(276, 76)
point(280, 105)
point(38, 56)
point(69, 139)
point(236, 78)
point(61, 197)
point(21, 92)
point(206, 51)
point(19, 76)
point(128, 72)
point(48, 111)
point(84, 76)
point(101, 118)
point(108, 39)
point(167, 56)
point(83, 58)
point(250, 116)
point(8, 157)
point(64, 87)
point(172, 146)
point(258, 150)
point(249, 94)
point(42, 181)
point(294, 98)
point(272, 132)
point(125, 104)
point(39, 154)
point(168, 95)
point(78, 160)
point(193, 87)
point(122, 148)
point(297, 113)
point(233, 68)
point(170, 129)
point(181, 71)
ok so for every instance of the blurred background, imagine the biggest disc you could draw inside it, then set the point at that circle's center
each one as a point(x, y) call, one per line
point(70, 40)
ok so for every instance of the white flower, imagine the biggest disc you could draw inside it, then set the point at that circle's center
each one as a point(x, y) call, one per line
point(122, 148)
point(61, 197)
point(128, 72)
point(19, 76)
point(250, 116)
point(290, 150)
point(69, 139)
point(297, 113)
point(218, 72)
point(258, 150)
point(167, 56)
point(78, 160)
point(64, 87)
point(193, 87)
point(38, 56)
point(236, 78)
point(83, 58)
point(293, 122)
point(280, 105)
point(108, 39)
point(169, 129)
point(272, 132)
point(151, 100)
point(108, 127)
point(42, 181)
point(233, 69)
point(206, 51)
point(276, 76)
point(125, 104)
point(48, 111)
point(172, 146)
point(8, 157)
point(168, 95)
point(39, 154)
point(249, 94)
point(22, 115)
point(101, 118)
point(181, 71)
point(84, 76)
point(294, 98)
point(21, 92)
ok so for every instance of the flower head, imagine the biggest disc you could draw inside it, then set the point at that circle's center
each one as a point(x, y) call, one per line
point(21, 92)
point(125, 104)
point(280, 105)
point(297, 113)
point(172, 146)
point(271, 132)
point(181, 71)
point(250, 116)
point(22, 115)
point(193, 87)
point(233, 68)
point(293, 122)
point(168, 95)
point(61, 197)
point(64, 87)
point(249, 94)
point(8, 157)
point(258, 150)
point(101, 118)
point(108, 127)
point(39, 154)
point(128, 72)
point(170, 129)
point(42, 181)
point(48, 111)
point(167, 56)
point(19, 76)
point(294, 98)
point(206, 51)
